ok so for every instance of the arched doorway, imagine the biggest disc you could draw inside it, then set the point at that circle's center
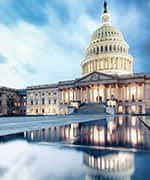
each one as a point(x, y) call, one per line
point(99, 99)
point(126, 110)
point(140, 109)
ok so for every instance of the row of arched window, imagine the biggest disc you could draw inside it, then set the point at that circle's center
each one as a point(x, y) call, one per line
point(105, 39)
point(104, 34)
point(107, 48)
point(43, 101)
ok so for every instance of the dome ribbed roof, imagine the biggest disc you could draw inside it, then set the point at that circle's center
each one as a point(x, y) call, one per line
point(107, 33)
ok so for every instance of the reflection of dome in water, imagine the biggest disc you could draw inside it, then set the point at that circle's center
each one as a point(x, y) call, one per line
point(113, 165)
point(107, 51)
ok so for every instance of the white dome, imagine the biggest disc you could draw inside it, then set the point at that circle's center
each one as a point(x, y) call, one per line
point(107, 51)
point(107, 33)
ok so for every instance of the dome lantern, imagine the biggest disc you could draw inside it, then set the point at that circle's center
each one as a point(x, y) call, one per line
point(105, 6)
point(105, 16)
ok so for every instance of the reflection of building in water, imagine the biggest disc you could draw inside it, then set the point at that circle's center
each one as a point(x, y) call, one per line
point(54, 134)
point(108, 165)
point(127, 132)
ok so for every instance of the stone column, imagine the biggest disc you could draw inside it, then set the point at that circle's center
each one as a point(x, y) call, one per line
point(104, 90)
point(125, 93)
point(65, 92)
point(110, 91)
point(103, 93)
point(63, 99)
point(122, 92)
point(81, 94)
point(94, 64)
point(76, 94)
point(130, 92)
point(68, 95)
point(116, 91)
point(98, 91)
point(4, 104)
point(92, 94)
point(143, 90)
point(136, 93)
point(143, 109)
point(73, 94)
point(88, 67)
point(97, 94)
point(87, 95)
point(59, 97)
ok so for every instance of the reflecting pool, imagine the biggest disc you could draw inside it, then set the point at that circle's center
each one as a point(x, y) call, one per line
point(113, 149)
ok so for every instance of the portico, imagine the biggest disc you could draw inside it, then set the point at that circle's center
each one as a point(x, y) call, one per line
point(94, 88)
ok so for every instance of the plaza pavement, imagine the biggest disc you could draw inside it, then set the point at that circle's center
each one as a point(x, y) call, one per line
point(13, 125)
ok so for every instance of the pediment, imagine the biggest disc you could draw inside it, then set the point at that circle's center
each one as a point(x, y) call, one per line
point(96, 76)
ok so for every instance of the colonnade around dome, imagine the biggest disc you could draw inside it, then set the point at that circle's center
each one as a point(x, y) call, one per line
point(95, 50)
point(110, 65)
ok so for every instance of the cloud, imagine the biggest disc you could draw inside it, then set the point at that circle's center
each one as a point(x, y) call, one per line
point(135, 25)
point(13, 11)
point(36, 53)
point(3, 59)
point(32, 157)
point(28, 68)
point(24, 68)
point(42, 41)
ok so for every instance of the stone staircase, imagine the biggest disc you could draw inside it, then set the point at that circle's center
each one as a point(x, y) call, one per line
point(94, 108)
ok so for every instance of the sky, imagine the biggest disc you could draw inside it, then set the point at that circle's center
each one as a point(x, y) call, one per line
point(43, 41)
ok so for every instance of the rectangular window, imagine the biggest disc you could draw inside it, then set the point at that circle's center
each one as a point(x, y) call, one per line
point(49, 101)
point(36, 102)
point(43, 111)
point(110, 48)
point(24, 97)
point(31, 102)
point(43, 101)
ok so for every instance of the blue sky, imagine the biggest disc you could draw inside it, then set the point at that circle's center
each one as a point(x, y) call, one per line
point(43, 41)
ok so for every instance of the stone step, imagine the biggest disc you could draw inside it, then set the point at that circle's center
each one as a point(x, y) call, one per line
point(91, 109)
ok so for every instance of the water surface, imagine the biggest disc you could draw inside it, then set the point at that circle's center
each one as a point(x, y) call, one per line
point(116, 148)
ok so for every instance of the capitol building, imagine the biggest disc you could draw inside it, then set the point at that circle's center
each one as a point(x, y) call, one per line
point(107, 78)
